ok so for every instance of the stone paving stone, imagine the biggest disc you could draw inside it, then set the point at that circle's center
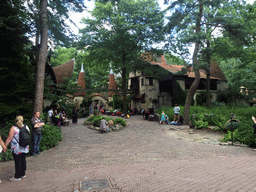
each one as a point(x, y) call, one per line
point(142, 157)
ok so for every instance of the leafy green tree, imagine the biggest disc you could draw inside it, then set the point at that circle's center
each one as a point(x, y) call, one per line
point(235, 50)
point(62, 55)
point(174, 60)
point(193, 22)
point(16, 71)
point(119, 33)
point(48, 16)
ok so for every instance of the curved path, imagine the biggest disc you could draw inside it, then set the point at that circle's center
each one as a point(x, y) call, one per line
point(142, 157)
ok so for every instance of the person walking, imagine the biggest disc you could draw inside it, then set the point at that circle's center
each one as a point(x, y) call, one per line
point(176, 112)
point(18, 152)
point(74, 115)
point(37, 124)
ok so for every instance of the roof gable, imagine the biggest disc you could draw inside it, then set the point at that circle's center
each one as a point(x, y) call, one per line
point(215, 70)
point(64, 72)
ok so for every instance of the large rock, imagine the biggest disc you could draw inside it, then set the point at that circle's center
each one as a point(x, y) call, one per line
point(111, 122)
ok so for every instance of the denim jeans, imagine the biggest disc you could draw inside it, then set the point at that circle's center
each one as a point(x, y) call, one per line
point(20, 164)
point(36, 142)
point(175, 123)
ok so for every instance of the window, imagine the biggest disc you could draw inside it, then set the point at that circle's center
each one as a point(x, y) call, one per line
point(150, 81)
point(142, 82)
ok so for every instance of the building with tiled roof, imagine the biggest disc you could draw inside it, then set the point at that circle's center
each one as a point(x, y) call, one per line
point(153, 93)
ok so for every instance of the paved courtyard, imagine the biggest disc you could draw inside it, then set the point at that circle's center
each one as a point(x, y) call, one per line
point(144, 157)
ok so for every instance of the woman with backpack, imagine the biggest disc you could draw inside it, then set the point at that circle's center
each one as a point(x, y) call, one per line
point(19, 152)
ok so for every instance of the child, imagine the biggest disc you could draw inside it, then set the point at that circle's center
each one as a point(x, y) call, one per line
point(162, 120)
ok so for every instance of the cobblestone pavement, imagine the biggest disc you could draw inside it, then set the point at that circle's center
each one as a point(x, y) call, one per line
point(145, 156)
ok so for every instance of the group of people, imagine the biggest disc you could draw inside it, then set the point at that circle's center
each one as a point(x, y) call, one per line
point(19, 152)
point(178, 119)
point(59, 117)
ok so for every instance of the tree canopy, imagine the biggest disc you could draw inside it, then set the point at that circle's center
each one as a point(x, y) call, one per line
point(119, 33)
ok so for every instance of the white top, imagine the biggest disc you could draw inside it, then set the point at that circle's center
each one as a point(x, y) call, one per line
point(50, 112)
point(177, 110)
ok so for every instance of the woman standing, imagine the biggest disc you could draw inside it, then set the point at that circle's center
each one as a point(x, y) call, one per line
point(18, 152)
point(74, 114)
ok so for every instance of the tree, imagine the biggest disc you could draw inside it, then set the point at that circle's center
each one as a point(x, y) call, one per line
point(42, 31)
point(119, 33)
point(39, 88)
point(16, 71)
point(186, 21)
point(193, 22)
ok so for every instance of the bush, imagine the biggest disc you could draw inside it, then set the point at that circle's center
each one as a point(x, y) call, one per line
point(220, 115)
point(201, 98)
point(120, 121)
point(51, 136)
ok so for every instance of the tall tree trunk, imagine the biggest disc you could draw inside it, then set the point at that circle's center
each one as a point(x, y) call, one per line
point(124, 91)
point(196, 82)
point(208, 80)
point(40, 74)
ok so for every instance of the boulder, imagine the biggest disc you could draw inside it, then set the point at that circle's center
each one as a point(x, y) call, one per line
point(111, 122)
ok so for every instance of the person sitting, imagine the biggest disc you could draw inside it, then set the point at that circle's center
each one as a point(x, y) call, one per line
point(151, 117)
point(64, 119)
point(166, 119)
point(104, 127)
point(179, 122)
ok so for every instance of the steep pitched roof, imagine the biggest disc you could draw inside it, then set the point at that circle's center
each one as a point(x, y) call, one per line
point(64, 72)
point(215, 70)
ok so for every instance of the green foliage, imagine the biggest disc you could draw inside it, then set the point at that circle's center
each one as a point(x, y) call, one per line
point(51, 136)
point(231, 95)
point(180, 94)
point(174, 60)
point(16, 71)
point(120, 121)
point(117, 102)
point(6, 156)
point(62, 55)
point(130, 35)
point(201, 98)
